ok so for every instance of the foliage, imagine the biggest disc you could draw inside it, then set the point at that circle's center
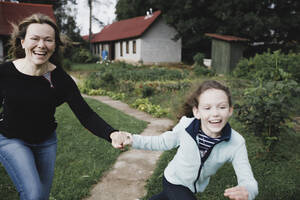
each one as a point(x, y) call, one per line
point(199, 68)
point(275, 23)
point(269, 66)
point(83, 55)
point(66, 64)
point(114, 75)
point(145, 105)
point(266, 109)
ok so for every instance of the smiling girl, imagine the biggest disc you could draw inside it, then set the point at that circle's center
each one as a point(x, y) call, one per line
point(205, 142)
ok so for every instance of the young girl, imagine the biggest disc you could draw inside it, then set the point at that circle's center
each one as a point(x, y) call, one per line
point(205, 142)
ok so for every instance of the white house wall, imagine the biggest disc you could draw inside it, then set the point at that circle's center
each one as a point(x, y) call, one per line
point(157, 45)
point(130, 56)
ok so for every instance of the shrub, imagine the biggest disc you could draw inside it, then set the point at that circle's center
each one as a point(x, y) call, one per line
point(66, 64)
point(84, 56)
point(198, 59)
point(199, 68)
point(145, 105)
point(264, 65)
point(266, 108)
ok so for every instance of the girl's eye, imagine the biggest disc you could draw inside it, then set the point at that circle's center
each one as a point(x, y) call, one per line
point(35, 39)
point(206, 108)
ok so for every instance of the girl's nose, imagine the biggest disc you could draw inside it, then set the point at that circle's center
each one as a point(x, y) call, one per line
point(215, 111)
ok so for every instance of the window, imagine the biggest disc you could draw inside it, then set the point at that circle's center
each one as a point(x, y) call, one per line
point(121, 48)
point(134, 47)
point(127, 47)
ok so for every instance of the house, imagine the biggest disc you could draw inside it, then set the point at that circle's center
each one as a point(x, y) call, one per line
point(145, 39)
point(226, 51)
point(13, 13)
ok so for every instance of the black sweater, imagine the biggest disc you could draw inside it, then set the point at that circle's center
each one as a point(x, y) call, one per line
point(29, 104)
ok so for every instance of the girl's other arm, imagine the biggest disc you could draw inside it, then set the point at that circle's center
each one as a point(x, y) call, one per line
point(244, 174)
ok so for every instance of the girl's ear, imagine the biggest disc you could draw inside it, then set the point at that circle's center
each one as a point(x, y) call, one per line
point(196, 112)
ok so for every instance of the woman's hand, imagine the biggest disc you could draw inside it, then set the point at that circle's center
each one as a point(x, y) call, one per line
point(236, 193)
point(120, 139)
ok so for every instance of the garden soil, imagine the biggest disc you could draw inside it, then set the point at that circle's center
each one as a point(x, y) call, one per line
point(127, 178)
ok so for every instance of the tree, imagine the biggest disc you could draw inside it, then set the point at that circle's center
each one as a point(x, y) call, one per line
point(275, 24)
point(64, 20)
point(93, 18)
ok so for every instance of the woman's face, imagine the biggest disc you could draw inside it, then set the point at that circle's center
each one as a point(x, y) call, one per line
point(39, 43)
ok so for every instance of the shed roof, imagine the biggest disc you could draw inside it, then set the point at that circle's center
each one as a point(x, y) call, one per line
point(228, 38)
point(129, 28)
point(15, 12)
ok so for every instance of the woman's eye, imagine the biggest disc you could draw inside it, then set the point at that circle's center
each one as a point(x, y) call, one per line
point(35, 39)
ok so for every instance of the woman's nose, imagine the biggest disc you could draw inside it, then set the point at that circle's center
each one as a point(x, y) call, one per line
point(41, 43)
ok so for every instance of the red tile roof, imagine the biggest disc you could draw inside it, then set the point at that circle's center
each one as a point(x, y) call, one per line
point(14, 12)
point(129, 28)
point(228, 38)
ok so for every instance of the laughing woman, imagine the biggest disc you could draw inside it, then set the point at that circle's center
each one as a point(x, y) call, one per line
point(31, 87)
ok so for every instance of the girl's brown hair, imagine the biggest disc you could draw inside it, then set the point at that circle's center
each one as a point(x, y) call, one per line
point(19, 33)
point(192, 101)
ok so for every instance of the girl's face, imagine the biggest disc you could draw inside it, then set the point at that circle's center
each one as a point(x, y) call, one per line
point(213, 111)
point(39, 43)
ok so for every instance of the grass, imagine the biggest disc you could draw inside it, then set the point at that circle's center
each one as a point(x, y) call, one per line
point(82, 158)
point(278, 174)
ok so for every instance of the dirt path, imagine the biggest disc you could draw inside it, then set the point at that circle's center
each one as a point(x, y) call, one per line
point(127, 178)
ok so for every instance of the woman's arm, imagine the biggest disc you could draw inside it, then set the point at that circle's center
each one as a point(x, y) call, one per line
point(87, 117)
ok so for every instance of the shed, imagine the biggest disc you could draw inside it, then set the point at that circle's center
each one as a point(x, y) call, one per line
point(226, 51)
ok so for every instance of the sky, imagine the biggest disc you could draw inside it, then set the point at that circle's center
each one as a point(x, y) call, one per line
point(104, 11)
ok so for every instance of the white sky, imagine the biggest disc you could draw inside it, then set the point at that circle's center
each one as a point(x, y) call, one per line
point(104, 11)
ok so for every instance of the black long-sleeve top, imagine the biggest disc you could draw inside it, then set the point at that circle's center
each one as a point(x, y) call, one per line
point(29, 104)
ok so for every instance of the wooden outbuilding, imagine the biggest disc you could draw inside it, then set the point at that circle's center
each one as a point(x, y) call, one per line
point(226, 51)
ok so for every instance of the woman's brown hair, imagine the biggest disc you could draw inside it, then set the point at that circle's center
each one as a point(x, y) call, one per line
point(19, 33)
point(192, 100)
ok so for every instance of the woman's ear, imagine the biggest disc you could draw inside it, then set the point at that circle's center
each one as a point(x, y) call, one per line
point(196, 112)
point(22, 41)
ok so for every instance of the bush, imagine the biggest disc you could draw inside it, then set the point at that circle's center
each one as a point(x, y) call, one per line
point(66, 64)
point(83, 55)
point(266, 109)
point(145, 105)
point(198, 59)
point(264, 65)
point(199, 68)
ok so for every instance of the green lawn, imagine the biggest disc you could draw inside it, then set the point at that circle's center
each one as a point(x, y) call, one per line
point(82, 157)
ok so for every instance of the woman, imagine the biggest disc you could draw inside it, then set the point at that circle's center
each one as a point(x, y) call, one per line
point(31, 87)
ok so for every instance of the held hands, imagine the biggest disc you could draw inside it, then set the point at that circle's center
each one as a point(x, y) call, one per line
point(236, 193)
point(120, 139)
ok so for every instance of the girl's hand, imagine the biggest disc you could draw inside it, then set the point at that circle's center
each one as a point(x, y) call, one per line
point(236, 193)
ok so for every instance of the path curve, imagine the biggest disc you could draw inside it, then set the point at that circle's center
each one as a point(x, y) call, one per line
point(127, 178)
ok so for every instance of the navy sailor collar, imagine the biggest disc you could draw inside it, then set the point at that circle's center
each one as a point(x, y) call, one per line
point(194, 127)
